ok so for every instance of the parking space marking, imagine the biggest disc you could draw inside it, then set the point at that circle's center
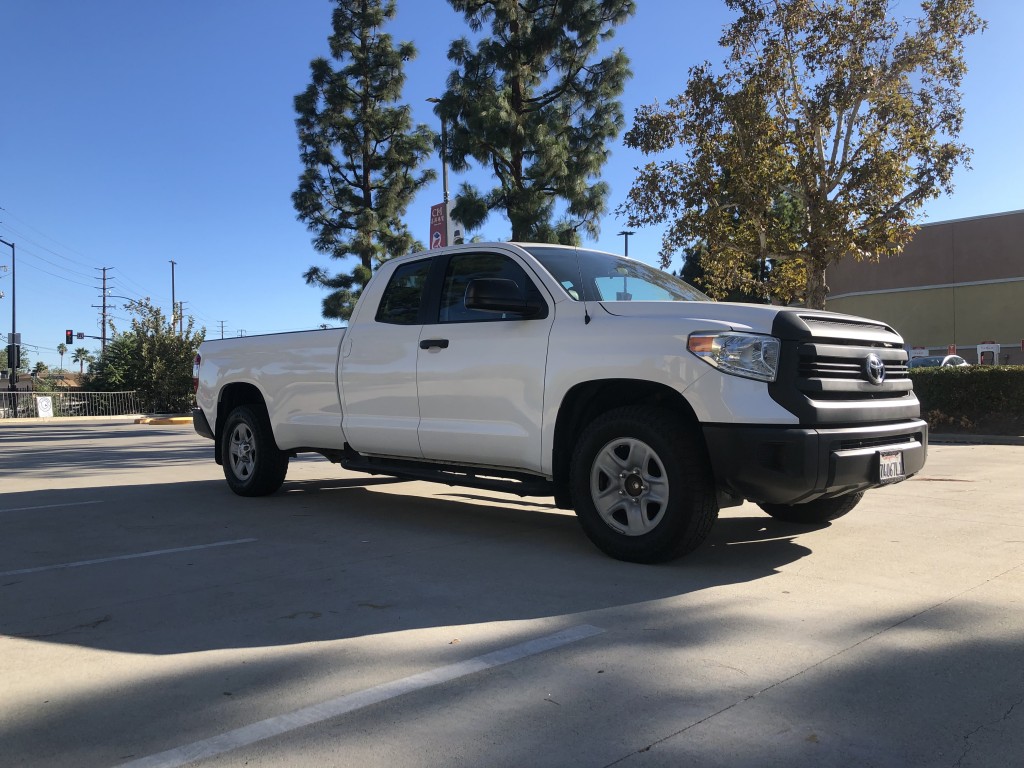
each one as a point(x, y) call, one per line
point(135, 556)
point(52, 506)
point(275, 726)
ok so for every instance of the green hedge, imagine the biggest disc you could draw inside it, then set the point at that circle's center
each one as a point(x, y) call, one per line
point(983, 399)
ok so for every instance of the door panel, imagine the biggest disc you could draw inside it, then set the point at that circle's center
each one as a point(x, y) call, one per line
point(481, 394)
point(378, 371)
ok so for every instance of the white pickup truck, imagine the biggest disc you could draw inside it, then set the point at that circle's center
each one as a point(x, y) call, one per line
point(545, 370)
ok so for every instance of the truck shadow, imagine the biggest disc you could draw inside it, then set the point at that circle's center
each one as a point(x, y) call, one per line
point(185, 567)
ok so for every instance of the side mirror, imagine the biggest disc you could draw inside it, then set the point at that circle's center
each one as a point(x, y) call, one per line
point(492, 294)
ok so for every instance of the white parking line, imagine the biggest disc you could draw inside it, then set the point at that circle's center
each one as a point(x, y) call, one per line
point(154, 553)
point(275, 726)
point(51, 506)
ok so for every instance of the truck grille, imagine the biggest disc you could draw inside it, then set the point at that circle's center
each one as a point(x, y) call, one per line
point(837, 369)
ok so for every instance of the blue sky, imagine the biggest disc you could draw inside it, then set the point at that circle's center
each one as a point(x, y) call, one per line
point(136, 133)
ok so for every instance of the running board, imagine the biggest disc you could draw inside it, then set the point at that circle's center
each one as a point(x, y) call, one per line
point(518, 483)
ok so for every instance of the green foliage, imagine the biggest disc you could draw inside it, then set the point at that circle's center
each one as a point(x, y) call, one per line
point(150, 358)
point(533, 104)
point(359, 150)
point(983, 399)
point(831, 125)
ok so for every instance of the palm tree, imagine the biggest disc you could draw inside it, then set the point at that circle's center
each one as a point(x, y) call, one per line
point(81, 356)
point(61, 349)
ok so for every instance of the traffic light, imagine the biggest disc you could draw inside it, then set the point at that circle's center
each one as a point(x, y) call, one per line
point(69, 337)
point(13, 356)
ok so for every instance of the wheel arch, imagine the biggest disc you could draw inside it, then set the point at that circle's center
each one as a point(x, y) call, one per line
point(586, 401)
point(232, 396)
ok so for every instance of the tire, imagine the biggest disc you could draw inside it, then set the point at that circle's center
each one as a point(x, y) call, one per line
point(253, 464)
point(642, 485)
point(814, 512)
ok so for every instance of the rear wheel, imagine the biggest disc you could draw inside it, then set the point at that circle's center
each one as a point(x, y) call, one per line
point(817, 511)
point(642, 485)
point(253, 464)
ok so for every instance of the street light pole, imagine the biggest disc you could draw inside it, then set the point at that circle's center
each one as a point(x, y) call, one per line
point(444, 155)
point(625, 234)
point(13, 375)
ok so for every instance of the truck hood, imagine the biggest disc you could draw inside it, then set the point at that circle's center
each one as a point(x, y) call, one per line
point(756, 318)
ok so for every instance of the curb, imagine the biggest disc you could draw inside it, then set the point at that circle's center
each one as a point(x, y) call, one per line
point(165, 420)
point(956, 439)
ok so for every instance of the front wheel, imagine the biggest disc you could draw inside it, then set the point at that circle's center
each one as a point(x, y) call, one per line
point(642, 486)
point(253, 464)
point(814, 512)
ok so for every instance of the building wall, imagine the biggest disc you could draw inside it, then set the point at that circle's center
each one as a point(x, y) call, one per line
point(957, 282)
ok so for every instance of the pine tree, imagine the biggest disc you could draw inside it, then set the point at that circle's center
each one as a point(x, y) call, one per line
point(360, 151)
point(532, 103)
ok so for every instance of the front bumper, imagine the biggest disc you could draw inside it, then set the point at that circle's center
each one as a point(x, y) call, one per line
point(790, 465)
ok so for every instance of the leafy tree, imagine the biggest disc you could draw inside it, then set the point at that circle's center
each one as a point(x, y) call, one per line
point(62, 349)
point(40, 368)
point(532, 103)
point(150, 358)
point(81, 356)
point(832, 124)
point(359, 150)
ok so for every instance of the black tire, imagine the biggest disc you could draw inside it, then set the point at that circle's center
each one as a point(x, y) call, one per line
point(642, 486)
point(814, 512)
point(253, 464)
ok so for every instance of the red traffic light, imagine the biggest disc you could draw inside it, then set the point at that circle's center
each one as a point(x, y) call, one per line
point(69, 336)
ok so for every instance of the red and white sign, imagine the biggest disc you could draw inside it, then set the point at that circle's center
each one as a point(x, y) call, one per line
point(438, 226)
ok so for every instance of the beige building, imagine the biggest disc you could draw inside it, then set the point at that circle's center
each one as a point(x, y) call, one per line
point(957, 282)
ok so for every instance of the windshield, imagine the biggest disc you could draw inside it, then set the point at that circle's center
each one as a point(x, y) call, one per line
point(595, 276)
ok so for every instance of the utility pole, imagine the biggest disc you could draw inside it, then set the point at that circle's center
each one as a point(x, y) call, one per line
point(181, 318)
point(103, 316)
point(222, 327)
point(14, 319)
point(174, 304)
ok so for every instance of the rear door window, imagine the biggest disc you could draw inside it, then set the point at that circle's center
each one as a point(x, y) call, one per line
point(403, 297)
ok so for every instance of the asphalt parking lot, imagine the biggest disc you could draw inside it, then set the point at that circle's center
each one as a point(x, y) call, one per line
point(150, 617)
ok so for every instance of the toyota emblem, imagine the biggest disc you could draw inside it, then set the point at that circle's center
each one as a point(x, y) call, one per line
point(874, 369)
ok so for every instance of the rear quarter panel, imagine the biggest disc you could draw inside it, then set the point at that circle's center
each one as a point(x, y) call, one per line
point(297, 375)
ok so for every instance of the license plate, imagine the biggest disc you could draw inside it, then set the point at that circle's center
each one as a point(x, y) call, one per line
point(890, 467)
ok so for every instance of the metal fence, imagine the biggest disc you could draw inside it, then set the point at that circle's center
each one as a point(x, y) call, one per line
point(30, 405)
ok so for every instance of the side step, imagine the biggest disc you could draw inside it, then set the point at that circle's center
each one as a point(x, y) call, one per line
point(518, 483)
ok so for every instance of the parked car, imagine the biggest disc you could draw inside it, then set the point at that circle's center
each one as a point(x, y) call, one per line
point(938, 361)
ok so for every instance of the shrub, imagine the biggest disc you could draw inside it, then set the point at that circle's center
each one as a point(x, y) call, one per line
point(985, 399)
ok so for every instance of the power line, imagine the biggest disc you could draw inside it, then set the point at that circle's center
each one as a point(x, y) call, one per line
point(23, 236)
point(52, 263)
point(59, 277)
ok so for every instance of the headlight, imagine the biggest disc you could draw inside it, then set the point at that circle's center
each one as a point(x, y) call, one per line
point(741, 354)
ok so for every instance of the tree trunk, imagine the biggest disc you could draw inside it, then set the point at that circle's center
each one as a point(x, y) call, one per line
point(814, 294)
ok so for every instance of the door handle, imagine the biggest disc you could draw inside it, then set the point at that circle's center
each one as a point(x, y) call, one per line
point(428, 343)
